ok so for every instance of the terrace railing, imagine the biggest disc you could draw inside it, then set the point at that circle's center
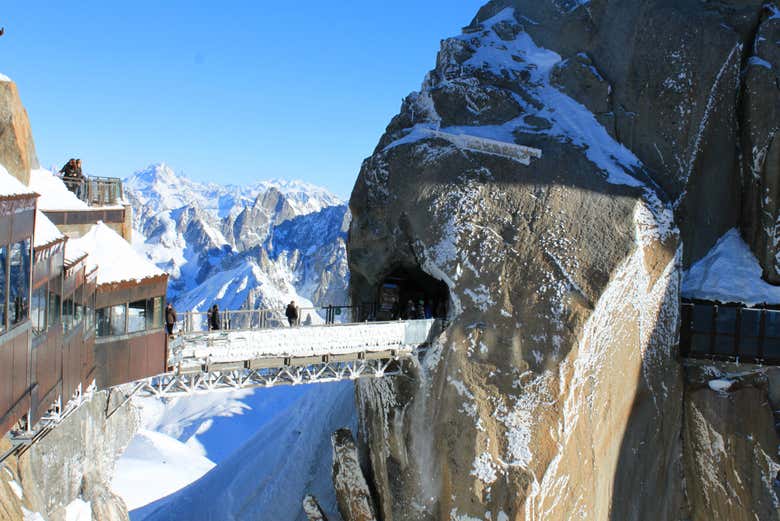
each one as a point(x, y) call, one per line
point(96, 191)
point(270, 318)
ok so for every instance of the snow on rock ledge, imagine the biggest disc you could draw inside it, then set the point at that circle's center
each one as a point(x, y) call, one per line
point(729, 273)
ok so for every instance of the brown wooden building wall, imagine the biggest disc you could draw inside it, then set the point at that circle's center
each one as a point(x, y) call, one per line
point(47, 360)
point(17, 221)
point(128, 358)
point(15, 388)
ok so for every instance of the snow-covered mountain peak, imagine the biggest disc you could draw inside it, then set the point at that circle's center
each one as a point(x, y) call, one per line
point(159, 188)
point(199, 231)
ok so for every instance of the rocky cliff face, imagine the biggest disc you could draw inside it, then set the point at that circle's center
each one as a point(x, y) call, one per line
point(71, 468)
point(17, 149)
point(760, 151)
point(556, 391)
point(730, 442)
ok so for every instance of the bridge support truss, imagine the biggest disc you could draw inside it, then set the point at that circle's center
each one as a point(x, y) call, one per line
point(292, 373)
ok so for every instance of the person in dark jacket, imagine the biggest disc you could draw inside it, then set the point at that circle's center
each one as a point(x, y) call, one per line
point(69, 170)
point(292, 313)
point(170, 318)
point(214, 321)
point(409, 310)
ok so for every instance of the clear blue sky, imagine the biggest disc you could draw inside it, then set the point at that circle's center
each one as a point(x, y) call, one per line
point(234, 92)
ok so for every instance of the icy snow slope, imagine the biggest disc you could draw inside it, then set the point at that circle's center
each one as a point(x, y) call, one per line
point(278, 446)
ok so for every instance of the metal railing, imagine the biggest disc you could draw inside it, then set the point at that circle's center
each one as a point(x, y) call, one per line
point(96, 191)
point(270, 318)
point(730, 332)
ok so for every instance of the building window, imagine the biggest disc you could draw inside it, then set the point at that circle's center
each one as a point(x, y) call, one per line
point(136, 316)
point(3, 289)
point(89, 311)
point(19, 276)
point(118, 320)
point(54, 303)
point(78, 306)
point(38, 310)
point(103, 322)
point(154, 313)
point(67, 314)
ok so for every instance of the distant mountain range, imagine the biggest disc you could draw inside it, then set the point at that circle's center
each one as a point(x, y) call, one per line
point(242, 247)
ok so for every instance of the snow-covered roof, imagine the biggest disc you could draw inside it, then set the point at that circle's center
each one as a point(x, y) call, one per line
point(115, 259)
point(46, 232)
point(54, 194)
point(11, 187)
point(74, 253)
point(729, 273)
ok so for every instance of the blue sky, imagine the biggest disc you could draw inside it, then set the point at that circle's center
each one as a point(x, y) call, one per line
point(231, 93)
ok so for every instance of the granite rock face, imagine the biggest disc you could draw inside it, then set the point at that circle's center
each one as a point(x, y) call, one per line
point(354, 497)
point(760, 145)
point(17, 148)
point(75, 461)
point(556, 391)
point(730, 441)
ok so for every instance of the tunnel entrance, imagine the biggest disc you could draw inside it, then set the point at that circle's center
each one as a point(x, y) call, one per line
point(410, 293)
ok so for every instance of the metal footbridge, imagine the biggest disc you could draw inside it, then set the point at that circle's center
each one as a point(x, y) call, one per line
point(254, 349)
point(207, 361)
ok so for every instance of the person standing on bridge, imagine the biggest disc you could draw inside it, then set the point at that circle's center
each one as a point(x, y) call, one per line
point(214, 322)
point(292, 313)
point(170, 318)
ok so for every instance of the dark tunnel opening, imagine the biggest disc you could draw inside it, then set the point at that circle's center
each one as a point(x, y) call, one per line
point(409, 293)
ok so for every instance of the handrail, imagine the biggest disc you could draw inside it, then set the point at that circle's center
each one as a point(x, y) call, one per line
point(272, 318)
point(96, 191)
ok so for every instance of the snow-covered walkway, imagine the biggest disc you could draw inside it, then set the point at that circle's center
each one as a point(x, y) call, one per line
point(230, 360)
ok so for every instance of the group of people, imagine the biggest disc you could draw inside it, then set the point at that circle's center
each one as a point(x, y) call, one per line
point(214, 319)
point(421, 309)
point(73, 175)
point(212, 315)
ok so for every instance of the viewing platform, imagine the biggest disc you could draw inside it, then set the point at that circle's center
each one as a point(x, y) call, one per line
point(75, 205)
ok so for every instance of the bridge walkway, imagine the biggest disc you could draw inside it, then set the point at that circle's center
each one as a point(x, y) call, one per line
point(209, 361)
